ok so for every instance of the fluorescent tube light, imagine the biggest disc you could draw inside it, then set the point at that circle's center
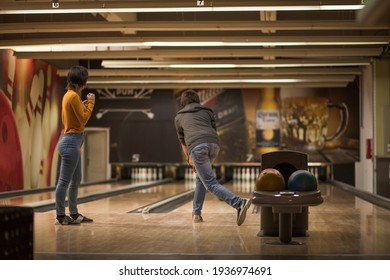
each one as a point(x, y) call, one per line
point(125, 9)
point(199, 81)
point(91, 46)
point(205, 64)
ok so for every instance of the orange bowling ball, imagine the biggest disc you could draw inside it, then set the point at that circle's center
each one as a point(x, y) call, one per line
point(270, 179)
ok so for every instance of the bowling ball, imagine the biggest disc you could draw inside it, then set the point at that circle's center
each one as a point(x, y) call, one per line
point(270, 179)
point(302, 181)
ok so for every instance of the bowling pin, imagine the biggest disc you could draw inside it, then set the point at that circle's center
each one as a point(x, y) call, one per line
point(46, 129)
point(253, 175)
point(36, 143)
point(11, 76)
point(136, 174)
point(54, 130)
point(154, 175)
point(54, 117)
point(160, 173)
point(248, 174)
point(243, 173)
point(132, 174)
point(145, 174)
point(25, 129)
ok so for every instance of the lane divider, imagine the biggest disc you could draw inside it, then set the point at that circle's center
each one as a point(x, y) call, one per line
point(168, 203)
point(46, 205)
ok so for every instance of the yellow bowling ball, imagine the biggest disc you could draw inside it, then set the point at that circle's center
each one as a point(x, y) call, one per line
point(270, 179)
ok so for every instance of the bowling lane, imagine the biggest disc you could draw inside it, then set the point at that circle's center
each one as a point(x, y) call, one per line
point(112, 223)
point(49, 195)
point(32, 200)
point(130, 201)
point(343, 227)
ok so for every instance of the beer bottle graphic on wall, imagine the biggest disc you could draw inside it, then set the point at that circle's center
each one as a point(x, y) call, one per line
point(268, 121)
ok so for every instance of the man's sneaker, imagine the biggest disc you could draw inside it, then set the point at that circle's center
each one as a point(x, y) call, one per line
point(241, 210)
point(66, 220)
point(82, 219)
point(197, 218)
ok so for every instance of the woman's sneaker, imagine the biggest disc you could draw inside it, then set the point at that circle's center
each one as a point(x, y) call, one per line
point(81, 219)
point(241, 210)
point(197, 218)
point(66, 220)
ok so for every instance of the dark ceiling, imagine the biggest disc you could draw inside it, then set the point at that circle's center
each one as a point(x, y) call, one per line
point(333, 46)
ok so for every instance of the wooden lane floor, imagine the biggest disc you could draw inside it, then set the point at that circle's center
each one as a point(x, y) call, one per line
point(45, 199)
point(343, 227)
point(23, 199)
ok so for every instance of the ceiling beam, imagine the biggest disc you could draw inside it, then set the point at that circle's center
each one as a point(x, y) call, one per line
point(236, 63)
point(154, 41)
point(20, 7)
point(100, 26)
point(207, 53)
point(227, 79)
point(218, 85)
point(217, 72)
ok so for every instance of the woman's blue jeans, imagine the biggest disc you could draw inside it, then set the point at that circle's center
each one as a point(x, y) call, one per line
point(203, 156)
point(70, 172)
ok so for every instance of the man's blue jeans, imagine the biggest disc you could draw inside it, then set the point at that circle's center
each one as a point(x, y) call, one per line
point(70, 172)
point(203, 156)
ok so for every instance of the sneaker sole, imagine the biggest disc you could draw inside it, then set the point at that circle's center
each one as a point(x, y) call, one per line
point(198, 220)
point(82, 219)
point(242, 217)
point(86, 221)
point(67, 221)
point(68, 224)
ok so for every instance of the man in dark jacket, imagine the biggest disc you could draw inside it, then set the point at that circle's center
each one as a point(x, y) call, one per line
point(197, 133)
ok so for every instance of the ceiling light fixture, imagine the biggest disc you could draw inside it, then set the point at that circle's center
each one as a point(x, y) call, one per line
point(239, 64)
point(217, 81)
point(91, 46)
point(102, 112)
point(115, 7)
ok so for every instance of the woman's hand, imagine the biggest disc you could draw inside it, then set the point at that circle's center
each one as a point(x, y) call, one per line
point(91, 96)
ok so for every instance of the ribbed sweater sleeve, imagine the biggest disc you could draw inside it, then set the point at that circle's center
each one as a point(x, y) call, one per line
point(75, 114)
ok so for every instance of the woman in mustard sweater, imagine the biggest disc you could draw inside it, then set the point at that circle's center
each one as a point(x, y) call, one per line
point(75, 115)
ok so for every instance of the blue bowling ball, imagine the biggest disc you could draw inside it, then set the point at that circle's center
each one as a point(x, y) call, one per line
point(302, 181)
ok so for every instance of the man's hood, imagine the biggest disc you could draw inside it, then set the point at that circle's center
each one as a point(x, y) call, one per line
point(193, 107)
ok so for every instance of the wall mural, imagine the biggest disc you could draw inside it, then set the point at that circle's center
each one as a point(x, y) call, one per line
point(322, 122)
point(30, 125)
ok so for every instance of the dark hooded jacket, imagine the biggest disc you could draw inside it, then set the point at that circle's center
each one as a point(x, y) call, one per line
point(195, 124)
